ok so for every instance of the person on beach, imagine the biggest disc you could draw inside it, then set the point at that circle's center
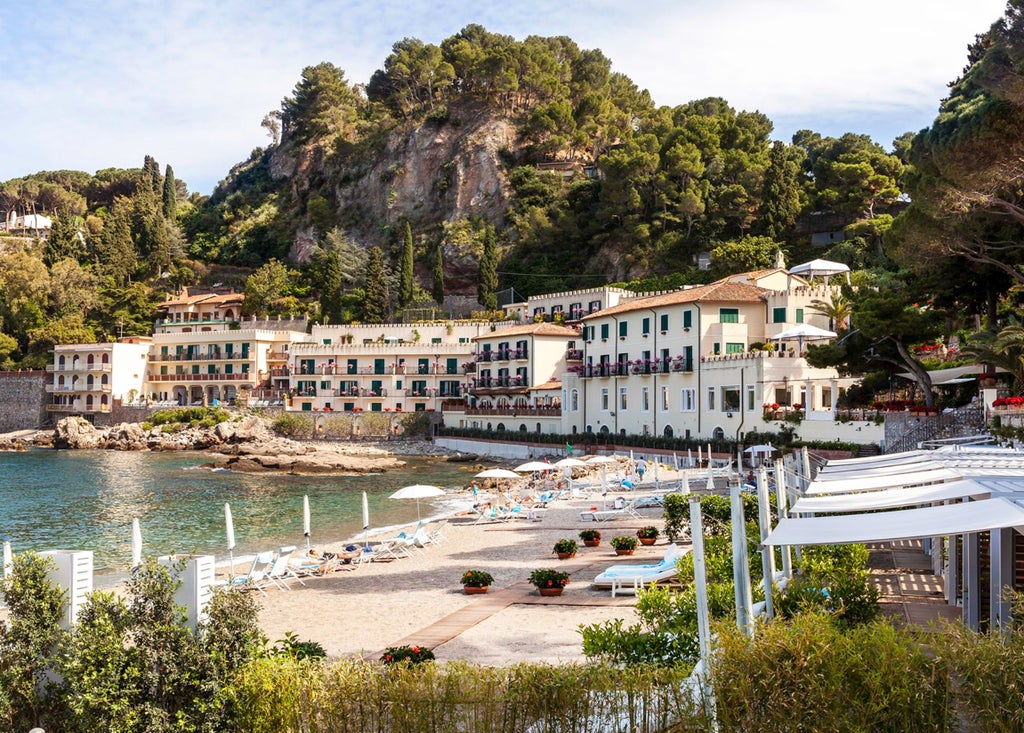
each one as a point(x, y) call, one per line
point(641, 467)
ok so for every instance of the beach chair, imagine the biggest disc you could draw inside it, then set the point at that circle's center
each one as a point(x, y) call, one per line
point(628, 509)
point(436, 532)
point(279, 572)
point(257, 572)
point(621, 578)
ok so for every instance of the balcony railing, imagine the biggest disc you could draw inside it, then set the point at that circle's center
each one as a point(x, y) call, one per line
point(216, 356)
point(574, 354)
point(83, 387)
point(515, 411)
point(79, 366)
point(242, 377)
point(77, 408)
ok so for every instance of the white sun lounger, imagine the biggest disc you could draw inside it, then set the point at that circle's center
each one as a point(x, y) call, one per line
point(598, 515)
point(623, 577)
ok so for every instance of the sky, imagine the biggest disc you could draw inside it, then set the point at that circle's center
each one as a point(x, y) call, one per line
point(89, 85)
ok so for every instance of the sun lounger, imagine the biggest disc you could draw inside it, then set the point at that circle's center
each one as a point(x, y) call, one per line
point(597, 515)
point(622, 577)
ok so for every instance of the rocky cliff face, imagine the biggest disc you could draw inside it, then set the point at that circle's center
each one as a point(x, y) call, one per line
point(428, 174)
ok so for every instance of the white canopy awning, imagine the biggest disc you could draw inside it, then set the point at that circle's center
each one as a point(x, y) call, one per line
point(881, 470)
point(867, 501)
point(850, 464)
point(875, 483)
point(819, 267)
point(955, 375)
point(907, 524)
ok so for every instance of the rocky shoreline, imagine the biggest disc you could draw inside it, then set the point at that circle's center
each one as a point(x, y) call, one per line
point(247, 445)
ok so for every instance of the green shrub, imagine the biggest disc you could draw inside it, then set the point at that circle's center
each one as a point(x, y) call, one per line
point(292, 646)
point(869, 678)
point(677, 516)
point(407, 655)
point(293, 425)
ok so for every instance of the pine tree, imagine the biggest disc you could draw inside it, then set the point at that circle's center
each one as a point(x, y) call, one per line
point(438, 290)
point(375, 308)
point(151, 175)
point(329, 275)
point(487, 290)
point(170, 195)
point(64, 240)
point(405, 287)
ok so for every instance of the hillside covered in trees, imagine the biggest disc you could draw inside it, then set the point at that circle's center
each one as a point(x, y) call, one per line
point(487, 162)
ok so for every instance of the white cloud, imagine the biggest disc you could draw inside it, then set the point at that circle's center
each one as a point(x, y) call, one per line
point(103, 84)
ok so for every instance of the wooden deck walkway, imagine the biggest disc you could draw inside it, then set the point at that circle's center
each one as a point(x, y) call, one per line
point(910, 592)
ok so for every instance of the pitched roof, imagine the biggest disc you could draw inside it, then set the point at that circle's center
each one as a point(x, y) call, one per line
point(722, 291)
point(209, 298)
point(550, 384)
point(535, 329)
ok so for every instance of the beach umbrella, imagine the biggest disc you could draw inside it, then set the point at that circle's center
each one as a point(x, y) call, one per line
point(366, 516)
point(417, 492)
point(8, 560)
point(804, 331)
point(305, 520)
point(570, 462)
point(498, 473)
point(711, 475)
point(602, 462)
point(136, 543)
point(700, 455)
point(532, 466)
point(229, 524)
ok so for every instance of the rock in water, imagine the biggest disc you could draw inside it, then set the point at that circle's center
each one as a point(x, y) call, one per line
point(76, 433)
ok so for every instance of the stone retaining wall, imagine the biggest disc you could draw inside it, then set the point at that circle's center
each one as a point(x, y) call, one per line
point(23, 400)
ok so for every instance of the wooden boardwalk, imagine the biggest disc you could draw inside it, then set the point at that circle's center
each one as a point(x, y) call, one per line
point(910, 592)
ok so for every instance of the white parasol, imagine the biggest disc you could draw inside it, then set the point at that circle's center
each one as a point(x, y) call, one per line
point(305, 520)
point(417, 492)
point(8, 560)
point(823, 268)
point(366, 518)
point(136, 543)
point(570, 462)
point(602, 462)
point(532, 466)
point(802, 332)
point(497, 473)
point(229, 524)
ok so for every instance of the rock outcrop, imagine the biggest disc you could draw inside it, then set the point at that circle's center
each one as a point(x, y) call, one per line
point(244, 445)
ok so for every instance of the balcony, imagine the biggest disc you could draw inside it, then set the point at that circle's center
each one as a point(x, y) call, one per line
point(574, 355)
point(682, 365)
point(243, 377)
point(79, 366)
point(77, 408)
point(214, 356)
point(515, 411)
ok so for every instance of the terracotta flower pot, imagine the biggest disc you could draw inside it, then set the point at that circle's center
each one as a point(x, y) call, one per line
point(475, 590)
point(553, 591)
point(591, 543)
point(648, 541)
point(624, 552)
point(566, 555)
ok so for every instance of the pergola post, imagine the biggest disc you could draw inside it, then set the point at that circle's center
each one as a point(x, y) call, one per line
point(972, 583)
point(1001, 561)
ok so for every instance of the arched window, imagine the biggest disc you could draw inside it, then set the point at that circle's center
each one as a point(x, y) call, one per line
point(604, 430)
point(105, 358)
point(89, 361)
point(538, 427)
point(501, 426)
point(104, 379)
point(574, 400)
point(718, 434)
point(61, 361)
point(522, 428)
point(669, 432)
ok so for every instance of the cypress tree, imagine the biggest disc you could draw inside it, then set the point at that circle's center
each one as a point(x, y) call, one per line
point(151, 175)
point(438, 290)
point(405, 293)
point(329, 272)
point(487, 290)
point(63, 241)
point(170, 195)
point(375, 306)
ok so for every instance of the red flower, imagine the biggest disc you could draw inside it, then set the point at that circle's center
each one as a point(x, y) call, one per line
point(551, 582)
point(416, 650)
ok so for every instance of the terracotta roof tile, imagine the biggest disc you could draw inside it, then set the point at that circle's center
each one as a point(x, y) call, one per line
point(722, 291)
point(536, 329)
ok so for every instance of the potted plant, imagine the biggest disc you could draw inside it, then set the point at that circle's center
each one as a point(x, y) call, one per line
point(648, 535)
point(549, 582)
point(624, 545)
point(566, 548)
point(591, 537)
point(475, 582)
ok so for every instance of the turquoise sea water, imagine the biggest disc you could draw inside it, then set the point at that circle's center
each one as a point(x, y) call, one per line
point(85, 500)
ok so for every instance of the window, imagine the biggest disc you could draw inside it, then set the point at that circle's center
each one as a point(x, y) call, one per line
point(733, 348)
point(799, 315)
point(716, 348)
point(730, 399)
point(711, 399)
point(645, 326)
point(604, 331)
point(623, 401)
point(574, 400)
point(826, 398)
point(604, 399)
point(778, 315)
point(623, 329)
point(729, 315)
point(751, 399)
point(687, 319)
point(663, 322)
point(645, 399)
point(664, 399)
point(688, 400)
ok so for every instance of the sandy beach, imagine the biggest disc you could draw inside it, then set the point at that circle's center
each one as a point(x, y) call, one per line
point(380, 604)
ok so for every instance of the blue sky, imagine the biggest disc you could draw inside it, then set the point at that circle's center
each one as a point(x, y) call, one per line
point(89, 85)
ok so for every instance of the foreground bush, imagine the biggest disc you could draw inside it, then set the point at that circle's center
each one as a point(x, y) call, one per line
point(277, 695)
point(808, 674)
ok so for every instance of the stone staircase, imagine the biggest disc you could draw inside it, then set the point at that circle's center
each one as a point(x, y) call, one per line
point(960, 423)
